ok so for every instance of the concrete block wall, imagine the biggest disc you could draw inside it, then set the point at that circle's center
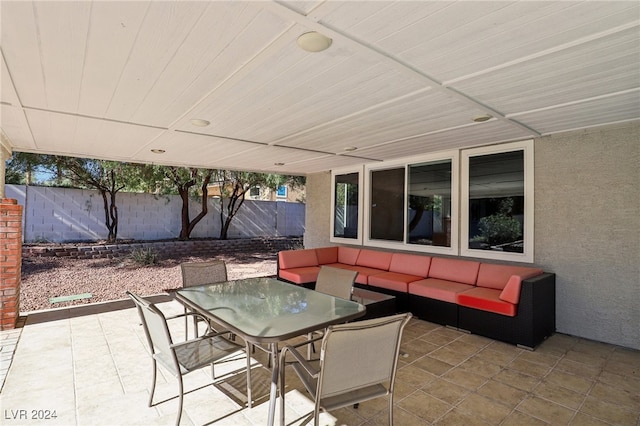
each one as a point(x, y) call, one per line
point(65, 214)
point(167, 248)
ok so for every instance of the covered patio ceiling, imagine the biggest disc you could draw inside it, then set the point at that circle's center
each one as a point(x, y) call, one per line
point(117, 80)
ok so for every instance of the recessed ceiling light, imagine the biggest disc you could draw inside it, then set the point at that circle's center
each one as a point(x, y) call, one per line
point(351, 148)
point(278, 164)
point(158, 151)
point(314, 42)
point(482, 118)
point(200, 122)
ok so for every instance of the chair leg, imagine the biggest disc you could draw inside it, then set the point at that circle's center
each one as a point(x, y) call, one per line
point(180, 398)
point(282, 365)
point(249, 396)
point(153, 382)
point(391, 409)
point(186, 325)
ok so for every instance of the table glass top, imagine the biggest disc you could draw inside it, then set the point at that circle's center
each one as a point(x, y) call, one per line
point(268, 310)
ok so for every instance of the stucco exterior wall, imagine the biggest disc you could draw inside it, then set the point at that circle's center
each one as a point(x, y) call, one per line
point(318, 207)
point(587, 228)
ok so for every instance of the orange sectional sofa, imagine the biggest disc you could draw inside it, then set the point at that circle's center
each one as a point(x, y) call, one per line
point(515, 304)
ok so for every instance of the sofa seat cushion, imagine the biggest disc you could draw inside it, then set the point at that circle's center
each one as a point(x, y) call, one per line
point(288, 259)
point(433, 288)
point(363, 272)
point(487, 299)
point(304, 275)
point(393, 281)
point(410, 264)
point(456, 270)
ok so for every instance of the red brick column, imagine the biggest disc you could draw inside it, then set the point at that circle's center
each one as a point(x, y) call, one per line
point(10, 261)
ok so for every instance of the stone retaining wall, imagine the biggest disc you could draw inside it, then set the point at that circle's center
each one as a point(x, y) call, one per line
point(166, 248)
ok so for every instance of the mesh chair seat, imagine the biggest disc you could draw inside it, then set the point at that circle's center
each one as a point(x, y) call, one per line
point(195, 354)
point(349, 397)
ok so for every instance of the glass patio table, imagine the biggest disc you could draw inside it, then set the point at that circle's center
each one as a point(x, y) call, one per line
point(268, 311)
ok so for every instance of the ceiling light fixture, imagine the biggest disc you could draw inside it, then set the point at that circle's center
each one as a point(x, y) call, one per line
point(200, 122)
point(158, 151)
point(351, 148)
point(314, 42)
point(482, 118)
point(278, 164)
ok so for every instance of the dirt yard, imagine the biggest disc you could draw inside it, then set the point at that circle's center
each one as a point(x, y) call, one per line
point(108, 279)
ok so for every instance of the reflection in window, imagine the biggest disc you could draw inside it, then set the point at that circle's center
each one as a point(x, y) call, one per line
point(387, 205)
point(345, 220)
point(429, 211)
point(496, 202)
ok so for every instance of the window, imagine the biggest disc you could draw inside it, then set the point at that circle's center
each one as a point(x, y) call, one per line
point(346, 201)
point(386, 215)
point(429, 204)
point(412, 205)
point(254, 192)
point(474, 202)
point(497, 197)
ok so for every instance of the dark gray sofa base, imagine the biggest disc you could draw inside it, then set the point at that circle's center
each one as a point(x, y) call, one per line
point(433, 310)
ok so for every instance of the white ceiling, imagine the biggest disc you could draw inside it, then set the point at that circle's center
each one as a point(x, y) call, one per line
point(114, 80)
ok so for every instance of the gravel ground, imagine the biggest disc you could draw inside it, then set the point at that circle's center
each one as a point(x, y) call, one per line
point(108, 279)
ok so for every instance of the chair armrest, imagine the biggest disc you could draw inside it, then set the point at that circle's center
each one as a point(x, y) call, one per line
point(300, 358)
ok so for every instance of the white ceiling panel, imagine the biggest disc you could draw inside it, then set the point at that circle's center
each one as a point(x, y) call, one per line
point(71, 135)
point(190, 149)
point(602, 66)
point(493, 131)
point(15, 126)
point(116, 79)
point(404, 118)
point(596, 112)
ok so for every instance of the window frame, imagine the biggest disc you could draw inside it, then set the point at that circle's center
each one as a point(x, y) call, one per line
point(527, 256)
point(454, 157)
point(346, 171)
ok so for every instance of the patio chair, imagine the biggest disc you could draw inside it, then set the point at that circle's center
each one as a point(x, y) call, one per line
point(180, 358)
point(358, 362)
point(335, 282)
point(200, 273)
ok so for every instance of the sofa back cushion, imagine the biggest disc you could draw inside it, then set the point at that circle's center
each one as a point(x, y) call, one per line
point(348, 255)
point(327, 255)
point(462, 271)
point(374, 259)
point(410, 264)
point(496, 276)
point(297, 258)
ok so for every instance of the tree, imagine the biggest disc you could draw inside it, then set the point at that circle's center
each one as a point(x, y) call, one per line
point(107, 177)
point(22, 168)
point(185, 180)
point(233, 187)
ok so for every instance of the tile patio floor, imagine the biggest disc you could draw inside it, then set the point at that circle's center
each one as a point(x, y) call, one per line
point(94, 370)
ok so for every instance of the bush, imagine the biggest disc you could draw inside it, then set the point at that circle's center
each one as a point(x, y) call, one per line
point(144, 256)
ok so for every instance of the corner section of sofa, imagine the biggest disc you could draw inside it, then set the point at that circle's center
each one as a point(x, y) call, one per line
point(534, 321)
